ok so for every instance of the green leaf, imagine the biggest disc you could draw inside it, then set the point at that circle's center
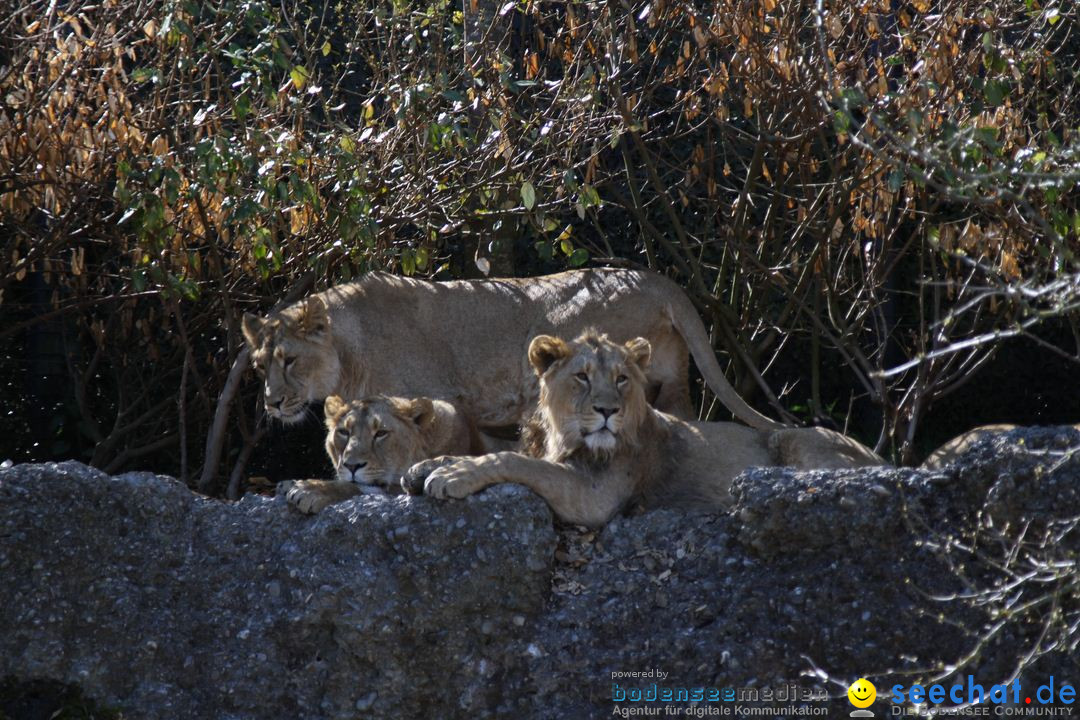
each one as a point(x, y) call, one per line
point(408, 262)
point(528, 195)
point(326, 48)
point(987, 135)
point(579, 257)
point(853, 97)
point(841, 121)
point(299, 75)
point(589, 196)
point(995, 92)
point(144, 74)
point(242, 107)
point(189, 289)
point(422, 258)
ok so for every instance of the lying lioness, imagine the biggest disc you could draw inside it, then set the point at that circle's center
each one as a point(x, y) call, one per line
point(594, 445)
point(372, 442)
point(951, 451)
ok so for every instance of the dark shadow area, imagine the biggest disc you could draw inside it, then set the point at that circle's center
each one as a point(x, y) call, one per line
point(49, 700)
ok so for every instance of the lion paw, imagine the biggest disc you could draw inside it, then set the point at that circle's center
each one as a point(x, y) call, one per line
point(457, 480)
point(307, 497)
point(413, 481)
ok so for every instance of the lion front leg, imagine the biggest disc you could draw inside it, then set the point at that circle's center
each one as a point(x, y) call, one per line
point(412, 482)
point(572, 497)
point(312, 496)
point(450, 476)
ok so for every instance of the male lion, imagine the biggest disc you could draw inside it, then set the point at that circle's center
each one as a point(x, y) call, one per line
point(372, 442)
point(595, 446)
point(460, 341)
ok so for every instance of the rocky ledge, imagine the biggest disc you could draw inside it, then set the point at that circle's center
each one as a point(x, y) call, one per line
point(165, 604)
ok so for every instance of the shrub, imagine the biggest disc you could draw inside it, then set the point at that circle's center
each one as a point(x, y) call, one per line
point(841, 186)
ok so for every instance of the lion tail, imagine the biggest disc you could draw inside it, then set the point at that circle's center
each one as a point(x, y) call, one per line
point(686, 321)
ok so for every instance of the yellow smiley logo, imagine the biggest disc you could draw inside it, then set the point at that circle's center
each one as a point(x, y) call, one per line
point(862, 693)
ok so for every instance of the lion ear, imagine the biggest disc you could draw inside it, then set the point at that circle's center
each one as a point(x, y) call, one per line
point(422, 411)
point(545, 351)
point(640, 352)
point(333, 406)
point(314, 317)
point(252, 325)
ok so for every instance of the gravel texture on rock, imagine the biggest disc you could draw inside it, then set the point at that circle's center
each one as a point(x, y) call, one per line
point(165, 604)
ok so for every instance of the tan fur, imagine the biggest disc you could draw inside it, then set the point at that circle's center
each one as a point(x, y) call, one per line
point(461, 341)
point(372, 442)
point(595, 446)
point(953, 449)
point(950, 451)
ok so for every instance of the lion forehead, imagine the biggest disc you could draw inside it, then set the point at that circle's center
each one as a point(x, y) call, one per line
point(595, 354)
point(367, 415)
point(271, 337)
point(355, 417)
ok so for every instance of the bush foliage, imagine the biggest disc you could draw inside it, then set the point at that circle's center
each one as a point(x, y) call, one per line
point(863, 198)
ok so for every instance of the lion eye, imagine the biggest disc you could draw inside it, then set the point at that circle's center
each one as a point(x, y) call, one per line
point(380, 434)
point(343, 432)
point(290, 360)
point(582, 377)
point(621, 380)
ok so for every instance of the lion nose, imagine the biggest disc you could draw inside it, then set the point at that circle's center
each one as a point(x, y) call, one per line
point(353, 467)
point(606, 412)
point(276, 404)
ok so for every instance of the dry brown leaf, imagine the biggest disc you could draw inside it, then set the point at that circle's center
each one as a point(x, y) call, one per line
point(834, 26)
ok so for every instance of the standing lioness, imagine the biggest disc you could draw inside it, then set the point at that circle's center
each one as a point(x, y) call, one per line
point(461, 341)
point(595, 446)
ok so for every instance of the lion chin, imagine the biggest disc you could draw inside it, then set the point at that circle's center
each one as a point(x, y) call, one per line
point(290, 417)
point(386, 479)
point(601, 442)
